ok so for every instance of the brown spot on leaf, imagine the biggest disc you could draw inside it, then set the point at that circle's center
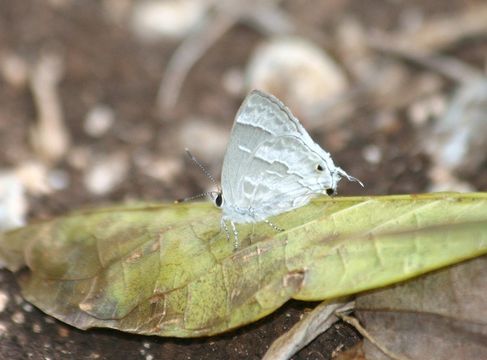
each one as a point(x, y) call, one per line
point(156, 298)
point(134, 257)
point(294, 279)
point(86, 307)
point(155, 246)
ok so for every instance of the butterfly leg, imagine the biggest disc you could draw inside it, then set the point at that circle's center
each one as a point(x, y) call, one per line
point(224, 226)
point(274, 226)
point(236, 243)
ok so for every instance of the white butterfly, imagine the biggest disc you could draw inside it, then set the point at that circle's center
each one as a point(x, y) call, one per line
point(271, 165)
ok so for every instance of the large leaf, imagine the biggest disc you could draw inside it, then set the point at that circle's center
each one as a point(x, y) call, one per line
point(168, 269)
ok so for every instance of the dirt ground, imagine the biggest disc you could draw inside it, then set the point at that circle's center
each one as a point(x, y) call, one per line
point(105, 63)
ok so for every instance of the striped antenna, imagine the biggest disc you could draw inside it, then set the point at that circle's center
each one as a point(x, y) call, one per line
point(210, 194)
point(205, 171)
point(192, 197)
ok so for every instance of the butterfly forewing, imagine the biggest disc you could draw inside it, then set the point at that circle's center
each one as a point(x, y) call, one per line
point(270, 163)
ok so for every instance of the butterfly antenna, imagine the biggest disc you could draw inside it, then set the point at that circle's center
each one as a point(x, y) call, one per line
point(192, 197)
point(205, 171)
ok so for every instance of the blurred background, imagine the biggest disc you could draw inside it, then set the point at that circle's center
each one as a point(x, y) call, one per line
point(98, 100)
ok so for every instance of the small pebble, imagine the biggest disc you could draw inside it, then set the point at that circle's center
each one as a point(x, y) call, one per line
point(3, 329)
point(27, 307)
point(18, 299)
point(4, 298)
point(36, 328)
point(18, 317)
point(163, 169)
point(79, 157)
point(99, 120)
point(423, 111)
point(387, 122)
point(372, 154)
point(212, 139)
point(152, 20)
point(106, 173)
point(63, 332)
point(13, 203)
point(298, 72)
point(14, 70)
point(34, 176)
point(58, 179)
point(49, 320)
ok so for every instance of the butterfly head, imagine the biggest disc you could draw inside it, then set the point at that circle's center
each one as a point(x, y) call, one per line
point(325, 177)
point(330, 175)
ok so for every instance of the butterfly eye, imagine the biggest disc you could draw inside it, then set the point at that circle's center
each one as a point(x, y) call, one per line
point(219, 200)
point(319, 168)
point(330, 192)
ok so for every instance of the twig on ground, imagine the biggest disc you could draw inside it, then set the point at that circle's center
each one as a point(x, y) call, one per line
point(49, 135)
point(186, 55)
point(449, 67)
point(265, 16)
point(306, 330)
point(422, 46)
point(441, 33)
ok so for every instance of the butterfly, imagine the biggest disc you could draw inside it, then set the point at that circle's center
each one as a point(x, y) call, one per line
point(271, 165)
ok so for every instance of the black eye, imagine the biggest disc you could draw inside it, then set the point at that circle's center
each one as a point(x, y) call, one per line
point(219, 200)
point(330, 192)
point(319, 167)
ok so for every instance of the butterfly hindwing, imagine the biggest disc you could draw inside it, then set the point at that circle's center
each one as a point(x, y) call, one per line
point(284, 177)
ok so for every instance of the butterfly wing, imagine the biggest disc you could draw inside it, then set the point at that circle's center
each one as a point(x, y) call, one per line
point(270, 163)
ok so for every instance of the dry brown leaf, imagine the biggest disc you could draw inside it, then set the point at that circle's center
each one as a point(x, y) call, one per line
point(438, 316)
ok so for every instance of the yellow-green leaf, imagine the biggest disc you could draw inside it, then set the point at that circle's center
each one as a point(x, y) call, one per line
point(169, 270)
